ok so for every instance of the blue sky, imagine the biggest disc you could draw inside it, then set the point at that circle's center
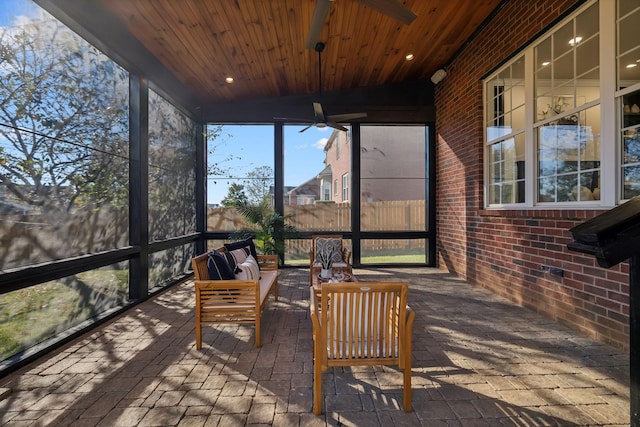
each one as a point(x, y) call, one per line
point(252, 147)
point(9, 9)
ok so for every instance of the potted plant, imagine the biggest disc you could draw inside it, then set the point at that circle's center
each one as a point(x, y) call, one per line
point(325, 255)
point(269, 229)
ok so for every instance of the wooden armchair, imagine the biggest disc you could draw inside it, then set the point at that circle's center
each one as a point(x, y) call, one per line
point(361, 324)
point(342, 254)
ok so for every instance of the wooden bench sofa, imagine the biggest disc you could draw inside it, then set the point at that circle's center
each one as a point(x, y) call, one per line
point(232, 301)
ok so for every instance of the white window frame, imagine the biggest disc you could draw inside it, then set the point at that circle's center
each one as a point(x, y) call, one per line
point(610, 106)
point(345, 187)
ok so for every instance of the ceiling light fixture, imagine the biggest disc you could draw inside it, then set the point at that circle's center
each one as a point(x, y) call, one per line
point(545, 63)
point(229, 80)
point(575, 41)
point(409, 57)
point(632, 65)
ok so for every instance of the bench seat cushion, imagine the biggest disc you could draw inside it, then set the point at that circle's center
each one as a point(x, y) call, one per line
point(267, 279)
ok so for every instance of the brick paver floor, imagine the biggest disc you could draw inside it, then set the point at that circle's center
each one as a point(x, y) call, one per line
point(478, 360)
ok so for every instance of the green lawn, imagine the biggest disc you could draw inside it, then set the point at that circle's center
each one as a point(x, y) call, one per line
point(377, 259)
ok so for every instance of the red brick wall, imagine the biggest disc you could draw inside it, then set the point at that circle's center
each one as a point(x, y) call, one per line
point(504, 250)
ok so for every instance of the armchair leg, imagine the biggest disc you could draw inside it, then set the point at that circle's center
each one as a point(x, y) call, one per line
point(317, 387)
point(407, 392)
point(198, 336)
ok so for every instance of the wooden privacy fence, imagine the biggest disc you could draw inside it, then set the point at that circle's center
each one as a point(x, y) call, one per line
point(399, 215)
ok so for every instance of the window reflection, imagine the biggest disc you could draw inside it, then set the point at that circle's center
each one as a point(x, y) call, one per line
point(392, 183)
point(569, 159)
point(172, 199)
point(631, 145)
point(35, 314)
point(63, 144)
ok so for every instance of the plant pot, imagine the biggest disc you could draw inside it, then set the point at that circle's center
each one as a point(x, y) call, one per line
point(325, 273)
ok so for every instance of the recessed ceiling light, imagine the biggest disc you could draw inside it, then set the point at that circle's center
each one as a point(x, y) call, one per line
point(229, 80)
point(545, 63)
point(575, 41)
point(409, 57)
point(632, 65)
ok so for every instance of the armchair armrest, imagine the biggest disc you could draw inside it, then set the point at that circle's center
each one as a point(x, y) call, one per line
point(314, 312)
point(346, 256)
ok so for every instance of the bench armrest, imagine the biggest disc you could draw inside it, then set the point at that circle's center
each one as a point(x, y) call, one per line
point(268, 262)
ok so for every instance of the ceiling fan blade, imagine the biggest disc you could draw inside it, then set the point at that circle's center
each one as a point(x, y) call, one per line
point(318, 113)
point(391, 8)
point(311, 125)
point(345, 117)
point(317, 22)
point(336, 126)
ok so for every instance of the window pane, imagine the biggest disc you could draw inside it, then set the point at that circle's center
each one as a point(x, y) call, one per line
point(569, 154)
point(626, 6)
point(587, 23)
point(239, 171)
point(505, 112)
point(32, 315)
point(629, 37)
point(507, 171)
point(172, 153)
point(63, 143)
point(575, 74)
point(563, 40)
point(631, 176)
point(393, 185)
point(630, 138)
point(170, 263)
point(587, 56)
point(588, 88)
point(563, 72)
point(317, 185)
point(628, 52)
point(389, 251)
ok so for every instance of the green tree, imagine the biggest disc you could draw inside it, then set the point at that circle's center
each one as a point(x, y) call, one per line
point(258, 184)
point(235, 196)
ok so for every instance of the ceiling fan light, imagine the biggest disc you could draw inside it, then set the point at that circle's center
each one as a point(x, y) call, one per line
point(229, 79)
point(575, 41)
point(409, 57)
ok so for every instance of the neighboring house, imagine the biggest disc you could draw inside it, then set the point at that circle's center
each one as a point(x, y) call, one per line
point(338, 163)
point(303, 194)
point(376, 163)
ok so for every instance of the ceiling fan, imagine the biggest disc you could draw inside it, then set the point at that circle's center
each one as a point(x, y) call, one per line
point(320, 119)
point(390, 8)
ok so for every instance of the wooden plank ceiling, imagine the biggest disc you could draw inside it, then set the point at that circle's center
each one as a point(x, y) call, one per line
point(261, 43)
